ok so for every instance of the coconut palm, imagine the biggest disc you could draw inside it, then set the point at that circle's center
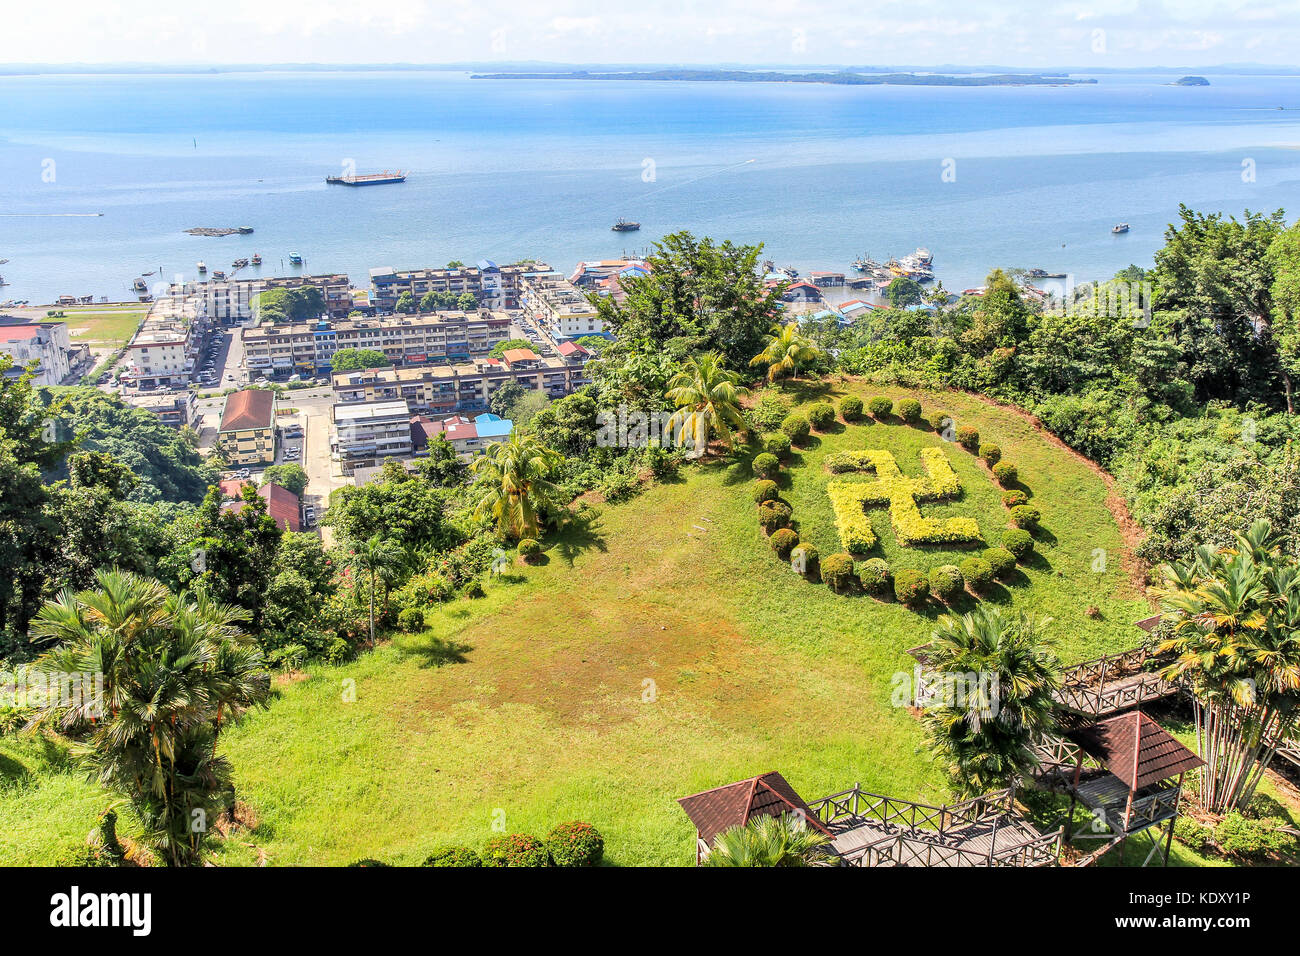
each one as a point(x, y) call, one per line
point(989, 699)
point(174, 670)
point(785, 352)
point(707, 398)
point(1233, 623)
point(513, 479)
point(769, 841)
point(378, 557)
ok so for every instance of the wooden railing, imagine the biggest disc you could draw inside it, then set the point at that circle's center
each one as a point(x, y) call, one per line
point(1152, 808)
point(858, 805)
point(904, 850)
point(1092, 687)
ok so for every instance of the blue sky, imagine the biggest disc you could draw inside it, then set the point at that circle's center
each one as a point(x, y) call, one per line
point(1045, 34)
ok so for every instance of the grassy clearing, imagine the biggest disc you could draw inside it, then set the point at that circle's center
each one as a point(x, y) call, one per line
point(110, 329)
point(532, 705)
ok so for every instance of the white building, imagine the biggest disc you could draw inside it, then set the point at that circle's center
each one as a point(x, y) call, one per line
point(45, 343)
point(558, 305)
point(365, 433)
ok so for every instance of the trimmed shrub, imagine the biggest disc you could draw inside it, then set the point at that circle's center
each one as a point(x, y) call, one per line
point(851, 408)
point(978, 573)
point(797, 428)
point(1014, 498)
point(968, 438)
point(804, 557)
point(874, 575)
point(991, 453)
point(783, 541)
point(946, 581)
point(1002, 561)
point(909, 410)
point(1005, 473)
point(452, 856)
point(777, 443)
point(766, 465)
point(910, 586)
point(1018, 542)
point(1025, 516)
point(1253, 840)
point(766, 490)
point(773, 515)
point(837, 571)
point(938, 419)
point(575, 844)
point(529, 548)
point(411, 619)
point(821, 415)
point(1192, 834)
point(880, 407)
point(515, 849)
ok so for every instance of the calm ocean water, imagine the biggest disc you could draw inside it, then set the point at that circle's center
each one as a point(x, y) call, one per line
point(511, 169)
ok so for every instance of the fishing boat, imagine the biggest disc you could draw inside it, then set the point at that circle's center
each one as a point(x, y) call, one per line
point(139, 285)
point(1044, 274)
point(624, 225)
point(864, 263)
point(218, 274)
point(1119, 228)
point(201, 266)
point(295, 259)
point(239, 263)
point(368, 179)
point(257, 260)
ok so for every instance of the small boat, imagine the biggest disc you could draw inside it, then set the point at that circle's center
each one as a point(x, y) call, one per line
point(295, 259)
point(257, 260)
point(201, 266)
point(1044, 274)
point(1119, 228)
point(239, 263)
point(218, 274)
point(139, 285)
point(624, 225)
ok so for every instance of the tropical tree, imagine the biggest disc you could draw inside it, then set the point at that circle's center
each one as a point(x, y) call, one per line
point(378, 557)
point(785, 352)
point(707, 398)
point(175, 670)
point(1233, 618)
point(513, 483)
point(990, 697)
point(769, 841)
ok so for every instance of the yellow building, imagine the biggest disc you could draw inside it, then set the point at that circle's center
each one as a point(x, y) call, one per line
point(247, 433)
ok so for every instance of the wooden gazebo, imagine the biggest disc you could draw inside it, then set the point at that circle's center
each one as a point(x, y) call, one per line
point(734, 805)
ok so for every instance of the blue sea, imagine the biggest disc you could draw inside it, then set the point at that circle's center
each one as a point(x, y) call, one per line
point(507, 169)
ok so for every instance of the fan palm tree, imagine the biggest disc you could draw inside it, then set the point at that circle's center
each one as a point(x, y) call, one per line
point(173, 671)
point(769, 841)
point(707, 398)
point(785, 352)
point(1234, 627)
point(990, 699)
point(513, 481)
point(377, 556)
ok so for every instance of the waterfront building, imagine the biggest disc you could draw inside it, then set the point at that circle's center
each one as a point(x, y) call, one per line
point(230, 301)
point(495, 287)
point(45, 343)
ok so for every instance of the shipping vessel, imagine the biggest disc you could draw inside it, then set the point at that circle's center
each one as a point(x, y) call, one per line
point(369, 179)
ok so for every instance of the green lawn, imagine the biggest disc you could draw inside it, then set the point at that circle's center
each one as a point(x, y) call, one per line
point(659, 649)
point(106, 328)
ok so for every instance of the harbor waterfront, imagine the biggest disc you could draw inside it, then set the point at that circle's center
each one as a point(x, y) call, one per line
point(102, 176)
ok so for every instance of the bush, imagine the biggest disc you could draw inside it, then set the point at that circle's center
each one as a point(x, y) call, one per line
point(804, 557)
point(1002, 561)
point(773, 515)
point(978, 573)
point(766, 465)
point(516, 849)
point(620, 486)
point(797, 427)
point(909, 410)
point(991, 453)
point(1253, 840)
point(783, 541)
point(1018, 542)
point(946, 581)
point(968, 438)
point(821, 415)
point(529, 548)
point(837, 571)
point(1005, 473)
point(367, 861)
point(575, 844)
point(410, 619)
point(938, 419)
point(851, 408)
point(874, 575)
point(910, 586)
point(1014, 498)
point(1192, 834)
point(766, 490)
point(452, 856)
point(1025, 516)
point(777, 443)
point(880, 408)
point(769, 410)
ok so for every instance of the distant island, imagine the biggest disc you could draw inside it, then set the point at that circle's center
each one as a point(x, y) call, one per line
point(1191, 81)
point(843, 78)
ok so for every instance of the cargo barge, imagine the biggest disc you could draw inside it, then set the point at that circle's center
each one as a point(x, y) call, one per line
point(369, 179)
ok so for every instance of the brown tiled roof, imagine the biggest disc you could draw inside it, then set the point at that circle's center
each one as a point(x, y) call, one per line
point(722, 808)
point(1148, 624)
point(251, 408)
point(520, 355)
point(1136, 749)
point(281, 503)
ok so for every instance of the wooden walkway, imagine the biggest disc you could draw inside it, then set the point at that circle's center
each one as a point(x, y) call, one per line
point(1116, 682)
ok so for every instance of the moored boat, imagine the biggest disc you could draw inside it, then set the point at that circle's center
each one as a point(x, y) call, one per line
point(1119, 228)
point(625, 225)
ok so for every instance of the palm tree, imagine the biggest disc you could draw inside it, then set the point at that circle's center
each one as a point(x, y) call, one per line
point(989, 701)
point(786, 350)
point(707, 398)
point(1234, 625)
point(377, 556)
point(513, 477)
point(173, 671)
point(769, 841)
